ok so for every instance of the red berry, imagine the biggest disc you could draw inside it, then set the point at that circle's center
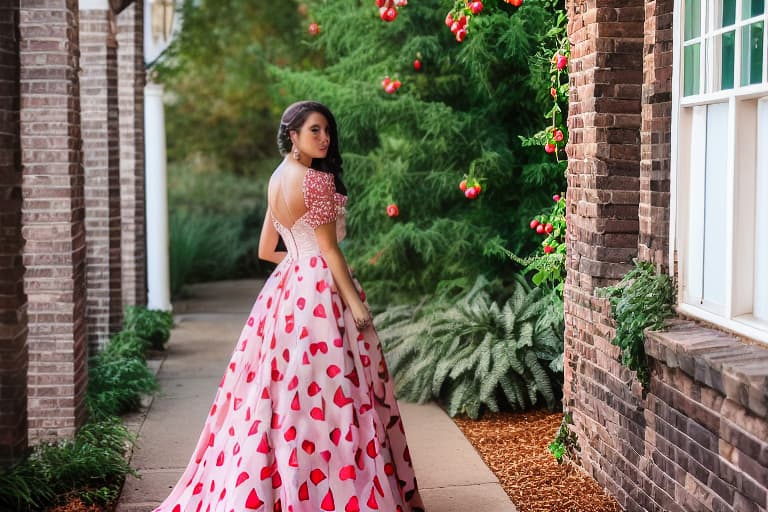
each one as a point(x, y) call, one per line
point(463, 185)
point(535, 223)
point(549, 147)
point(314, 29)
point(516, 3)
point(449, 19)
point(553, 92)
point(476, 7)
point(470, 193)
point(548, 228)
point(463, 20)
point(455, 26)
point(556, 197)
point(548, 249)
point(386, 81)
point(393, 210)
point(388, 13)
point(540, 229)
point(417, 64)
point(380, 3)
point(461, 34)
point(557, 135)
point(562, 62)
point(397, 84)
point(478, 188)
point(390, 88)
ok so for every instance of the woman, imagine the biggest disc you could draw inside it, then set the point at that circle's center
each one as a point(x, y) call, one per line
point(305, 418)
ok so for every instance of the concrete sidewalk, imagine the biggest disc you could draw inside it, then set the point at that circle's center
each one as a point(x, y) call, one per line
point(451, 475)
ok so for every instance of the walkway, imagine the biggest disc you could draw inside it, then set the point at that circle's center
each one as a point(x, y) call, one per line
point(451, 475)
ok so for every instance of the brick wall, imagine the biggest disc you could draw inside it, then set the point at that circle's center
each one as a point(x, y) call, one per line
point(698, 441)
point(656, 133)
point(101, 147)
point(602, 213)
point(13, 328)
point(53, 217)
point(131, 79)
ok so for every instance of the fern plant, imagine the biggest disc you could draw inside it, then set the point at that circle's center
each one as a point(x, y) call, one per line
point(150, 324)
point(642, 300)
point(477, 353)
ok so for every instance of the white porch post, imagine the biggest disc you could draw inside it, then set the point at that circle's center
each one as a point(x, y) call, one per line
point(158, 267)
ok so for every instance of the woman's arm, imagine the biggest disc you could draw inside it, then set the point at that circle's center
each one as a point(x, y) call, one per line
point(326, 241)
point(268, 241)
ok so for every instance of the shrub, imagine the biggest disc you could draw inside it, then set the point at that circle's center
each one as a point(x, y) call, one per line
point(92, 465)
point(151, 325)
point(475, 352)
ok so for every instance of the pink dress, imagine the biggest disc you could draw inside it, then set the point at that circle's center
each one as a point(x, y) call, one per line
point(305, 418)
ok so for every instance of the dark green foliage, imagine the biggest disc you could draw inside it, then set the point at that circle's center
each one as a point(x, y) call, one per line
point(118, 376)
point(219, 109)
point(153, 326)
point(92, 466)
point(473, 352)
point(464, 110)
point(643, 299)
point(565, 442)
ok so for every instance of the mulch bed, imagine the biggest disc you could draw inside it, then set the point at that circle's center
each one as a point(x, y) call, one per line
point(514, 446)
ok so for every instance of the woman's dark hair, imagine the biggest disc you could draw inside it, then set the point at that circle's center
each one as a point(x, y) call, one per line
point(293, 119)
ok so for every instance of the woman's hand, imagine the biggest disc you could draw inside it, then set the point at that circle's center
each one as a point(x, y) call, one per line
point(361, 314)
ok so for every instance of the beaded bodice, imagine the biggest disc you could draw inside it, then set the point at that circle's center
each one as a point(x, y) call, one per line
point(324, 205)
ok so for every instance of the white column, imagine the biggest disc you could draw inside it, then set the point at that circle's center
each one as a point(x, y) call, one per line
point(158, 270)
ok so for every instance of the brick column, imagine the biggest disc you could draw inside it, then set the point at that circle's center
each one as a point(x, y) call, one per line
point(656, 133)
point(130, 59)
point(52, 217)
point(606, 78)
point(13, 301)
point(101, 158)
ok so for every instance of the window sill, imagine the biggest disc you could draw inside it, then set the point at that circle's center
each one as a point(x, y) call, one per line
point(716, 359)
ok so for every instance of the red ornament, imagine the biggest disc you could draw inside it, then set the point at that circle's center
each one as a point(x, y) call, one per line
point(476, 7)
point(557, 135)
point(561, 62)
point(463, 185)
point(417, 65)
point(556, 197)
point(314, 28)
point(548, 249)
point(471, 193)
point(388, 13)
point(461, 34)
point(548, 228)
point(534, 223)
point(549, 147)
point(393, 210)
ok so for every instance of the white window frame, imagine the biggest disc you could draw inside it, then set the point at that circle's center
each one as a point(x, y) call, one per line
point(735, 314)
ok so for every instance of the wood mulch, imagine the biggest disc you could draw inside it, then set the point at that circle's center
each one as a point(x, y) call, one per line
point(514, 446)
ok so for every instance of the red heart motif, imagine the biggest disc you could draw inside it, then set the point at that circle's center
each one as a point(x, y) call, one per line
point(293, 459)
point(211, 438)
point(348, 437)
point(305, 358)
point(340, 399)
point(254, 428)
point(294, 382)
point(265, 393)
point(308, 446)
point(371, 449)
point(231, 431)
point(389, 469)
point(301, 302)
point(242, 477)
point(290, 434)
point(295, 403)
point(289, 323)
point(198, 488)
point(222, 494)
point(313, 389)
point(319, 311)
point(232, 366)
point(372, 503)
point(177, 508)
point(352, 376)
point(321, 286)
point(333, 371)
point(304, 492)
point(317, 476)
point(313, 261)
point(352, 505)
point(213, 410)
point(251, 321)
point(287, 355)
point(347, 473)
point(365, 360)
point(365, 408)
point(338, 342)
point(275, 421)
point(335, 436)
point(243, 345)
point(238, 403)
point(377, 485)
point(320, 346)
point(336, 311)
point(253, 501)
point(327, 503)
point(304, 333)
point(220, 459)
point(266, 472)
point(276, 480)
point(236, 449)
point(317, 414)
point(263, 445)
point(251, 375)
point(326, 455)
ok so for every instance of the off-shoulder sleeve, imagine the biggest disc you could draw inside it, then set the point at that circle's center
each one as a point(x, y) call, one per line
point(319, 198)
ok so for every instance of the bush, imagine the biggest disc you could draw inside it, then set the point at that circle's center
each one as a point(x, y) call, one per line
point(92, 466)
point(476, 352)
point(152, 325)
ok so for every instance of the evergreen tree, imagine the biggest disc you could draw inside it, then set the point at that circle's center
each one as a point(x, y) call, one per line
point(461, 113)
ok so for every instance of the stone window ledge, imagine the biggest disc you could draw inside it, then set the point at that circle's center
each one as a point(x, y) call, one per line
point(716, 359)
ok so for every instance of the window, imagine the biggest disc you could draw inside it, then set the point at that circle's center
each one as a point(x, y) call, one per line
point(720, 162)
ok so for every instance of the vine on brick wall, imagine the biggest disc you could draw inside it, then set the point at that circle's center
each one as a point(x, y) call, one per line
point(642, 300)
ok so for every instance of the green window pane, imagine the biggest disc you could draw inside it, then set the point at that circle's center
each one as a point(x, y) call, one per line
point(726, 14)
point(752, 53)
point(691, 69)
point(752, 8)
point(692, 19)
point(725, 55)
